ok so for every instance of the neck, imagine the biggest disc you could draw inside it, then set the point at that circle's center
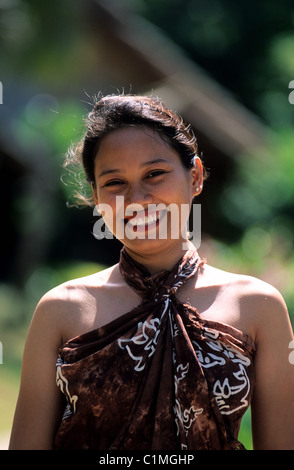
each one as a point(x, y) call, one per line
point(161, 259)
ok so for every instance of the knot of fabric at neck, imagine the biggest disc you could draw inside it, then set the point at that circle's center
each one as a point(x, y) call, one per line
point(162, 285)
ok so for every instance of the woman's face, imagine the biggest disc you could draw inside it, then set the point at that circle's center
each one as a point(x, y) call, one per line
point(142, 189)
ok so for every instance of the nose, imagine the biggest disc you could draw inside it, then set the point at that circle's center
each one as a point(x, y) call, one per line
point(138, 194)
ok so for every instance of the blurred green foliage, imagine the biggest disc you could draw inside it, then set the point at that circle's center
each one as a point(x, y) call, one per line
point(246, 46)
point(259, 201)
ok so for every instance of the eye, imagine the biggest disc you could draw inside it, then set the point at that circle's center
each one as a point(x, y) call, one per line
point(154, 173)
point(113, 183)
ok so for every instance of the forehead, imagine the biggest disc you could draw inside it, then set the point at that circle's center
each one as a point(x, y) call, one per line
point(141, 140)
point(134, 134)
point(126, 148)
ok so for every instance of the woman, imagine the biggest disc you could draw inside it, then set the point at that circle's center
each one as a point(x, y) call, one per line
point(160, 351)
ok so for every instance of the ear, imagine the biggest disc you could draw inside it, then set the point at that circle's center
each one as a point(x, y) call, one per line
point(94, 191)
point(197, 176)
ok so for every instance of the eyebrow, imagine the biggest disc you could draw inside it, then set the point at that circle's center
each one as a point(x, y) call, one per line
point(114, 170)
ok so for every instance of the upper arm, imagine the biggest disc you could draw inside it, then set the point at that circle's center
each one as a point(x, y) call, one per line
point(39, 403)
point(273, 400)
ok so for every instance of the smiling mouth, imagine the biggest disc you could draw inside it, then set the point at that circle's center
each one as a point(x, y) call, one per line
point(145, 221)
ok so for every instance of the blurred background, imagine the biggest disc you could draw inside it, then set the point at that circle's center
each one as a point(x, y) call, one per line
point(225, 66)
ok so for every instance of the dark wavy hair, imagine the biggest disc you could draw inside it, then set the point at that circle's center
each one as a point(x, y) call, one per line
point(117, 111)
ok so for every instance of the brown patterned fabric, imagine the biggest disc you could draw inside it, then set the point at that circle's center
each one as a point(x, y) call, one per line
point(159, 377)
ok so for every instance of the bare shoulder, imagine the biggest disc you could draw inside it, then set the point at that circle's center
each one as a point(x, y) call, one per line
point(258, 305)
point(71, 307)
point(75, 291)
point(248, 289)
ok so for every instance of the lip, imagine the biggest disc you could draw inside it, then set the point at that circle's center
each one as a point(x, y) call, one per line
point(145, 221)
point(141, 216)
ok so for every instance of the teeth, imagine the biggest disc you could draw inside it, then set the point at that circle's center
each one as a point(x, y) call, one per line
point(146, 220)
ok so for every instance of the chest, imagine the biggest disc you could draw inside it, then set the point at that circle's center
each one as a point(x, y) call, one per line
point(107, 304)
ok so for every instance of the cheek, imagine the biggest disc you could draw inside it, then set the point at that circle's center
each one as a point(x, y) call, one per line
point(111, 208)
point(181, 190)
point(105, 197)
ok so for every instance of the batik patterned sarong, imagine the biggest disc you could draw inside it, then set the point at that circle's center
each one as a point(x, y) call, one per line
point(159, 377)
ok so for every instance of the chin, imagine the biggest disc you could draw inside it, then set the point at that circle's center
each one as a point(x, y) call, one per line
point(150, 246)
